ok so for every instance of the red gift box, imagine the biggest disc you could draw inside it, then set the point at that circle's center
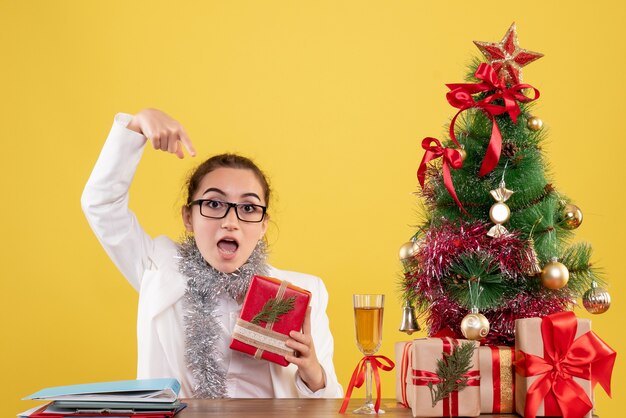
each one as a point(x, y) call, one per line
point(263, 336)
point(497, 380)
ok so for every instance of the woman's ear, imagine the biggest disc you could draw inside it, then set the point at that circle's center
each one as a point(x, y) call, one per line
point(264, 226)
point(185, 212)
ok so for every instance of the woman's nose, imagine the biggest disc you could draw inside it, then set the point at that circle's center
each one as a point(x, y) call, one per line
point(230, 221)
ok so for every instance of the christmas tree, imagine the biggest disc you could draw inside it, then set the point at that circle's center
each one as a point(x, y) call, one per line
point(495, 244)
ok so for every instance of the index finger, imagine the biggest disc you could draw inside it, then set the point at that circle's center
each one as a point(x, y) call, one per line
point(187, 143)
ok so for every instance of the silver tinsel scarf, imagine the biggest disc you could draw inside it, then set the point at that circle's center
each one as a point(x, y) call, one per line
point(204, 287)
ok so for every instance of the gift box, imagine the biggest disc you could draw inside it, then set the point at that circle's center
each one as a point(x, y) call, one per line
point(497, 379)
point(402, 352)
point(425, 354)
point(558, 361)
point(271, 309)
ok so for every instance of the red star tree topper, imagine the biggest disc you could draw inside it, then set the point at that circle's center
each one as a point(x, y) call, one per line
point(506, 57)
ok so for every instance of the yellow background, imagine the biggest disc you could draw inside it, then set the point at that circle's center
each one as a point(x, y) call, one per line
point(332, 99)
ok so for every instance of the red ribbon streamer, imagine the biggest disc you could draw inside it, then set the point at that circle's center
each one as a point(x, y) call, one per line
point(495, 378)
point(451, 158)
point(424, 377)
point(358, 377)
point(460, 96)
point(587, 357)
point(404, 368)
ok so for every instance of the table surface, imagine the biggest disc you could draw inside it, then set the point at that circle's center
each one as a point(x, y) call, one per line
point(300, 408)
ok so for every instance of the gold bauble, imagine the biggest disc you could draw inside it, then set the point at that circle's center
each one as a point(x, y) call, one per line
point(499, 213)
point(408, 250)
point(475, 326)
point(554, 275)
point(596, 300)
point(571, 216)
point(534, 123)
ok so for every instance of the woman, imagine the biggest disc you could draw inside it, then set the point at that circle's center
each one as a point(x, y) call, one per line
point(190, 293)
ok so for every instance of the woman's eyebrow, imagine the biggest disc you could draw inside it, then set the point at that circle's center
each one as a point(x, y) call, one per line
point(214, 189)
point(251, 195)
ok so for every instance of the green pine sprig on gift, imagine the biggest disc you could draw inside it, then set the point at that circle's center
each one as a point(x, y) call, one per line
point(451, 370)
point(273, 309)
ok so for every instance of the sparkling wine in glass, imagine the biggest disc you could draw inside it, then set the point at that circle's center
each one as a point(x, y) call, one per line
point(368, 320)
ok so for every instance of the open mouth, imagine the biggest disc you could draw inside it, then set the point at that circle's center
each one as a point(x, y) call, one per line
point(227, 246)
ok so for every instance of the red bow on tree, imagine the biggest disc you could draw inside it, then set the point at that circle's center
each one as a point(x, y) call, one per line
point(460, 96)
point(451, 158)
point(587, 357)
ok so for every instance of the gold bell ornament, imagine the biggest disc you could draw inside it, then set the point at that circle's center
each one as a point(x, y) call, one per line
point(409, 322)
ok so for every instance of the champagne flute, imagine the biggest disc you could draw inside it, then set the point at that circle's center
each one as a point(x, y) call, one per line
point(368, 320)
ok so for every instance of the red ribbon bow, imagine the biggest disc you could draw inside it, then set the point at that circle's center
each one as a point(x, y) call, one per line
point(587, 357)
point(451, 158)
point(358, 377)
point(460, 96)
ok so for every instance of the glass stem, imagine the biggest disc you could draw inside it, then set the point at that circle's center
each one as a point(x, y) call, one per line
point(368, 382)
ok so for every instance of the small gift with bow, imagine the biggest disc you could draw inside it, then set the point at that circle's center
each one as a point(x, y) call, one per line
point(271, 309)
point(497, 379)
point(444, 378)
point(559, 360)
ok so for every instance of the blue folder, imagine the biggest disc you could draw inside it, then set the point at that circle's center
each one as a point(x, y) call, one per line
point(141, 390)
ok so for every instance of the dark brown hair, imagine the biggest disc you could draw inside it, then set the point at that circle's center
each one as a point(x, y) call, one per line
point(226, 161)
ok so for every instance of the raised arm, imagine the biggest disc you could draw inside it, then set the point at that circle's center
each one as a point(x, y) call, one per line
point(105, 197)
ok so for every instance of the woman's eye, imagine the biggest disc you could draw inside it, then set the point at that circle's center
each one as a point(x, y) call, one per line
point(213, 204)
point(248, 208)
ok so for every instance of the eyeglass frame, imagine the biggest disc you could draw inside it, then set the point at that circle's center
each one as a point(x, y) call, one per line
point(199, 202)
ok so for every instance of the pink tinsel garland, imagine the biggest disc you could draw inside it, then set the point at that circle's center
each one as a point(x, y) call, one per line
point(440, 247)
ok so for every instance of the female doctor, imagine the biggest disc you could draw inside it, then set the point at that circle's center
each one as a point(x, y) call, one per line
point(190, 292)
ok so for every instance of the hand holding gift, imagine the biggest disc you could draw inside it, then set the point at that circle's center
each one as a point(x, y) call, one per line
point(309, 368)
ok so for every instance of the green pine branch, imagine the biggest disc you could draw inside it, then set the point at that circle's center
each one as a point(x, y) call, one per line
point(476, 269)
point(273, 309)
point(451, 370)
point(577, 259)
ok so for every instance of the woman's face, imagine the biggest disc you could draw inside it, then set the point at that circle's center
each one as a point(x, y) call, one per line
point(226, 244)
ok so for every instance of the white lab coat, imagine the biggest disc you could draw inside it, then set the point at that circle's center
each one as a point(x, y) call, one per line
point(151, 268)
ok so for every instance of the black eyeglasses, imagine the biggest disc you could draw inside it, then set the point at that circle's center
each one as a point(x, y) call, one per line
point(216, 209)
